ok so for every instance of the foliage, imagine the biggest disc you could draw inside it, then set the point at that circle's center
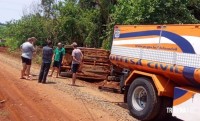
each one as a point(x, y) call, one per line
point(2, 31)
point(2, 44)
point(12, 44)
point(90, 22)
point(153, 12)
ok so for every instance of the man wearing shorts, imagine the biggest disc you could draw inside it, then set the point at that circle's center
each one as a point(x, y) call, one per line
point(59, 52)
point(27, 53)
point(77, 60)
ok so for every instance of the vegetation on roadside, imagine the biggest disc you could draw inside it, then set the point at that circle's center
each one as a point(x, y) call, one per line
point(2, 45)
point(91, 22)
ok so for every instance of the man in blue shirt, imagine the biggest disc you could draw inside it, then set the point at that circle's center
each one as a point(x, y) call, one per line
point(47, 53)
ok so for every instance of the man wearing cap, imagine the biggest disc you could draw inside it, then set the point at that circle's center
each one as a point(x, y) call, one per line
point(77, 59)
point(59, 52)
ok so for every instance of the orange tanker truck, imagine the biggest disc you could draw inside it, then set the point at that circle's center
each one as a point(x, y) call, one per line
point(161, 70)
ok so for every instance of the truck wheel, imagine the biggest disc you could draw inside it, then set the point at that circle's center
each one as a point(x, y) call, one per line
point(142, 99)
point(163, 115)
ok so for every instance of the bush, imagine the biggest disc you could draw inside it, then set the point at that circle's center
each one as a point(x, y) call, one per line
point(2, 44)
point(38, 59)
point(12, 44)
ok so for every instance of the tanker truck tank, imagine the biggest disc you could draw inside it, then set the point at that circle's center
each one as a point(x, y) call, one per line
point(183, 75)
point(164, 64)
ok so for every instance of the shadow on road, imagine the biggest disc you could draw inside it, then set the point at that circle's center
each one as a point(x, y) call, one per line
point(75, 85)
point(125, 106)
point(50, 83)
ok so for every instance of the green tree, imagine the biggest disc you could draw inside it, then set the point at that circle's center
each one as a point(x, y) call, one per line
point(153, 12)
point(48, 9)
point(91, 22)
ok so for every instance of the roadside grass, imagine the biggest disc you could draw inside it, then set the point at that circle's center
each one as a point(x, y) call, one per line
point(37, 56)
point(2, 44)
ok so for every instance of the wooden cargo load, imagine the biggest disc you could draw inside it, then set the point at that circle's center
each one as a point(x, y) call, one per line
point(95, 65)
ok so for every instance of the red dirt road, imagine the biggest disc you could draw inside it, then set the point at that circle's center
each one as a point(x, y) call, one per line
point(29, 101)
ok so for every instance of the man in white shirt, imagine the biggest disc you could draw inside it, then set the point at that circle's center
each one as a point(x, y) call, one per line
point(27, 49)
point(77, 60)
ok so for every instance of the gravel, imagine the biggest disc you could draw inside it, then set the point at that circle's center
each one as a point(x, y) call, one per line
point(116, 108)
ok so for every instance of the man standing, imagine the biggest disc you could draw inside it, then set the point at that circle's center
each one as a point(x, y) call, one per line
point(59, 52)
point(47, 53)
point(27, 53)
point(77, 60)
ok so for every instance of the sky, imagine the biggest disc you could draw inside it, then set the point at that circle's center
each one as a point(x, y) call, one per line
point(13, 9)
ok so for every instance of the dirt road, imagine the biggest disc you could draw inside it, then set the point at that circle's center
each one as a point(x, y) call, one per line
point(23, 100)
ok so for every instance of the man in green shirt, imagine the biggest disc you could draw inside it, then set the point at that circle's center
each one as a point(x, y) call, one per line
point(59, 52)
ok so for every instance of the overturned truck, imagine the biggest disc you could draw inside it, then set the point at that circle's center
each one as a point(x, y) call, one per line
point(95, 65)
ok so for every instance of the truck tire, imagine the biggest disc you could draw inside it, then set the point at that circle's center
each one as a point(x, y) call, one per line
point(142, 99)
point(122, 85)
point(163, 115)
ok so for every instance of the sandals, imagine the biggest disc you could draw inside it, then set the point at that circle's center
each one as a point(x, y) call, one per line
point(29, 78)
point(22, 78)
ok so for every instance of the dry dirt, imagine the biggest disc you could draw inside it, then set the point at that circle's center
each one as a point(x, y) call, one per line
point(27, 100)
